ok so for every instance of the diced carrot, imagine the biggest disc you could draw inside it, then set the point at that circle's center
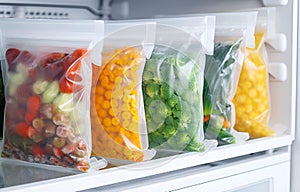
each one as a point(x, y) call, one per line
point(206, 118)
point(226, 124)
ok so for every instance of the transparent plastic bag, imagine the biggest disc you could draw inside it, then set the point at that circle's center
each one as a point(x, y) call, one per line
point(2, 103)
point(117, 110)
point(234, 31)
point(172, 83)
point(252, 100)
point(47, 79)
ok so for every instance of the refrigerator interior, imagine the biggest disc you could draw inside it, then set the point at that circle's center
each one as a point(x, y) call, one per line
point(169, 172)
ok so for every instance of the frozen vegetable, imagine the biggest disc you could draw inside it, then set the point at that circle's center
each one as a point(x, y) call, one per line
point(37, 128)
point(217, 108)
point(252, 97)
point(114, 99)
point(171, 93)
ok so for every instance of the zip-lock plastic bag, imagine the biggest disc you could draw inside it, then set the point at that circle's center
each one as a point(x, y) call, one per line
point(172, 83)
point(47, 90)
point(117, 109)
point(2, 102)
point(233, 32)
point(252, 99)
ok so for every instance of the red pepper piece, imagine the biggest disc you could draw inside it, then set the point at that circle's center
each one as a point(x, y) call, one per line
point(37, 151)
point(29, 117)
point(25, 130)
point(22, 129)
point(67, 86)
point(57, 152)
point(70, 61)
point(33, 105)
point(77, 53)
point(11, 55)
point(73, 70)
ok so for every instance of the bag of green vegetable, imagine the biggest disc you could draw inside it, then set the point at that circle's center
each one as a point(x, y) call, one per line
point(117, 110)
point(172, 83)
point(233, 32)
point(47, 67)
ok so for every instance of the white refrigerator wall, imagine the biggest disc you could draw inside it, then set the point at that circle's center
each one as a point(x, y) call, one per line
point(295, 168)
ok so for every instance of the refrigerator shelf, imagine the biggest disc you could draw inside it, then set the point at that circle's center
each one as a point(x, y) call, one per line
point(45, 179)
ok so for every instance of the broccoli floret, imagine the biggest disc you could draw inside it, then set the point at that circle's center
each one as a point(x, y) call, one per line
point(147, 75)
point(183, 139)
point(151, 126)
point(168, 110)
point(158, 112)
point(173, 100)
point(178, 106)
point(177, 114)
point(168, 131)
point(169, 120)
point(157, 118)
point(166, 91)
point(155, 139)
point(151, 66)
point(152, 89)
point(186, 113)
point(195, 146)
point(147, 101)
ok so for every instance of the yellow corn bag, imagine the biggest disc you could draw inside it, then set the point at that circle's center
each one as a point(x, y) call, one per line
point(251, 101)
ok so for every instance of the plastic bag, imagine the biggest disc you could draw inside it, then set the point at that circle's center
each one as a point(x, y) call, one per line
point(172, 83)
point(117, 110)
point(233, 32)
point(252, 97)
point(47, 86)
point(2, 102)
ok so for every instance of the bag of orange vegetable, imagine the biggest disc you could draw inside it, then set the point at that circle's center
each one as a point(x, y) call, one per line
point(117, 114)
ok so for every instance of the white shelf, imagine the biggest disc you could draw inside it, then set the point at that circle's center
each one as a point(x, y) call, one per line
point(225, 176)
point(115, 175)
